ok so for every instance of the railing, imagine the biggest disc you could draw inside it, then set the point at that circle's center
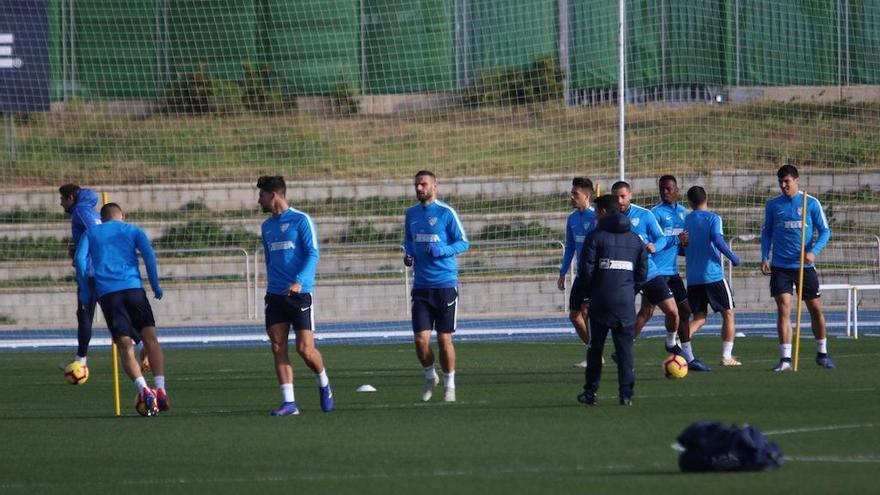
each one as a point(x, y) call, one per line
point(247, 266)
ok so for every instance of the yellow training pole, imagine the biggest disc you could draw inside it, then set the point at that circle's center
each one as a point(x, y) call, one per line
point(800, 291)
point(114, 351)
point(598, 190)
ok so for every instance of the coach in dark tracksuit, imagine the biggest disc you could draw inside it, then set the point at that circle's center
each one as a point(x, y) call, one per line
point(612, 267)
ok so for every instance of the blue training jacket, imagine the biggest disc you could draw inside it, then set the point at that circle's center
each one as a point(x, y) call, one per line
point(703, 253)
point(671, 220)
point(435, 223)
point(782, 230)
point(577, 228)
point(645, 225)
point(84, 217)
point(113, 247)
point(290, 242)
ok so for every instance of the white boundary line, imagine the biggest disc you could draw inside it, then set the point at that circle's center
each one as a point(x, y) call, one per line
point(819, 428)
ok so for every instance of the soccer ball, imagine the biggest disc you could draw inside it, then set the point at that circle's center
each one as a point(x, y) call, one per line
point(675, 367)
point(141, 407)
point(76, 373)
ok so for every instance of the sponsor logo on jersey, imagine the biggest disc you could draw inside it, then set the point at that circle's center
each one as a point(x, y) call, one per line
point(609, 264)
point(792, 224)
point(281, 245)
point(427, 238)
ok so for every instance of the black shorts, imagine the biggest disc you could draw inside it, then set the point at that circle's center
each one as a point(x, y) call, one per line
point(127, 313)
point(435, 309)
point(295, 310)
point(577, 297)
point(656, 291)
point(676, 285)
point(784, 281)
point(715, 294)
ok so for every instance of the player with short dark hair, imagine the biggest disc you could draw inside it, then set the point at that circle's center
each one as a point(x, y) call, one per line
point(432, 239)
point(781, 234)
point(113, 248)
point(612, 266)
point(703, 241)
point(290, 243)
point(670, 216)
point(79, 203)
point(580, 223)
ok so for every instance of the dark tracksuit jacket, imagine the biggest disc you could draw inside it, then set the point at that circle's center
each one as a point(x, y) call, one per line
point(612, 267)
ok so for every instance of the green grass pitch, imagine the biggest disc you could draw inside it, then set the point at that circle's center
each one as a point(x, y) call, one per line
point(516, 428)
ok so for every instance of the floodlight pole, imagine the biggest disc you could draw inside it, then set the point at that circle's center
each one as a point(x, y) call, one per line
point(621, 86)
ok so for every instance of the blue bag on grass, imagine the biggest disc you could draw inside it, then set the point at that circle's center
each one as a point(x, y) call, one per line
point(711, 446)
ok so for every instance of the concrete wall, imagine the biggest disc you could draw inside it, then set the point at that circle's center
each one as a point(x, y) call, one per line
point(369, 301)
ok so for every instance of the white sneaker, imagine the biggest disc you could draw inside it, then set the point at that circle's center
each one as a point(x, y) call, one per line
point(428, 388)
point(449, 396)
point(582, 364)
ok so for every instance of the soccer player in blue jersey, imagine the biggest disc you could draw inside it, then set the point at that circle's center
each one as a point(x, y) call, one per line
point(670, 216)
point(433, 238)
point(290, 242)
point(113, 249)
point(703, 241)
point(655, 290)
point(781, 235)
point(79, 203)
point(579, 224)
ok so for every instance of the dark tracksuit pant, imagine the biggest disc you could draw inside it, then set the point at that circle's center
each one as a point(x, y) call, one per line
point(85, 316)
point(623, 346)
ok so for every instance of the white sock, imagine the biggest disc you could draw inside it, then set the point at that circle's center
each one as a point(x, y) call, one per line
point(687, 351)
point(81, 359)
point(430, 372)
point(140, 383)
point(785, 349)
point(160, 381)
point(323, 381)
point(449, 379)
point(822, 346)
point(287, 392)
point(727, 350)
point(670, 339)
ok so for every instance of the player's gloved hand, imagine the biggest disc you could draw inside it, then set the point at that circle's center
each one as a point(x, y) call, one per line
point(408, 259)
point(433, 249)
point(157, 293)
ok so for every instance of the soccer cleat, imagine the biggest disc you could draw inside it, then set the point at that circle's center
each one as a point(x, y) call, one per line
point(582, 364)
point(428, 388)
point(784, 365)
point(162, 400)
point(626, 401)
point(730, 362)
point(676, 349)
point(697, 365)
point(286, 409)
point(449, 395)
point(150, 403)
point(327, 401)
point(824, 360)
point(588, 398)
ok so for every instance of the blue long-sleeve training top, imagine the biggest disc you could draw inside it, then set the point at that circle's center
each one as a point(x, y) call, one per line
point(704, 248)
point(435, 223)
point(113, 247)
point(782, 230)
point(290, 242)
point(82, 218)
point(644, 224)
point(577, 228)
point(671, 219)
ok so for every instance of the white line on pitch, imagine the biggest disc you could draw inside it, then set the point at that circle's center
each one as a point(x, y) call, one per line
point(840, 460)
point(819, 428)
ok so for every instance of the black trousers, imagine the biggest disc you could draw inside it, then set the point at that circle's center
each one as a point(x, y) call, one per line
point(85, 315)
point(623, 346)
